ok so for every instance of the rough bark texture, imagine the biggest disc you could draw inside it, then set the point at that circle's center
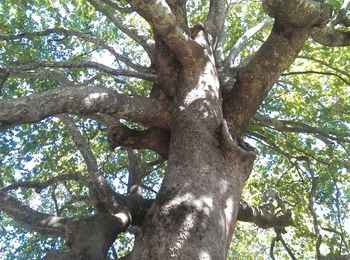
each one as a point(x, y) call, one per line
point(191, 124)
point(199, 198)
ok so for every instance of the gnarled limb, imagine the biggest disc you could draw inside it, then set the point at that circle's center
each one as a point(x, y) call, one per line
point(163, 21)
point(153, 138)
point(80, 101)
point(249, 213)
point(298, 13)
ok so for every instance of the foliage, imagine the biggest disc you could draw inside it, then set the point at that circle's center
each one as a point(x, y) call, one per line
point(314, 92)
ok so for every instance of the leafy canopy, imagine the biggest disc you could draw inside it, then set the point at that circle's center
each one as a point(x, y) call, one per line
point(301, 131)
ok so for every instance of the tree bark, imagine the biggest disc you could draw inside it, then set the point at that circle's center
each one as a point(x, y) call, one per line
point(199, 198)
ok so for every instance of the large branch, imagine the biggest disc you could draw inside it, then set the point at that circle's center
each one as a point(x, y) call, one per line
point(249, 213)
point(153, 138)
point(35, 221)
point(286, 39)
point(163, 21)
point(80, 101)
point(42, 74)
point(179, 10)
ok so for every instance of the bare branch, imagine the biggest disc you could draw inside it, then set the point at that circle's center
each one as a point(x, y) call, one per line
point(100, 190)
point(328, 65)
point(136, 172)
point(289, 251)
point(42, 74)
point(83, 35)
point(117, 7)
point(35, 221)
point(243, 40)
point(80, 101)
point(84, 64)
point(296, 127)
point(143, 40)
point(311, 207)
point(316, 72)
point(216, 19)
point(41, 185)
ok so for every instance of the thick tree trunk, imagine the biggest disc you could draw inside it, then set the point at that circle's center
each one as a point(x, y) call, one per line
point(195, 212)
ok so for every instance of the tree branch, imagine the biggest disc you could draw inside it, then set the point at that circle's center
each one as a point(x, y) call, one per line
point(84, 64)
point(117, 7)
point(136, 172)
point(243, 40)
point(342, 14)
point(317, 72)
point(286, 39)
point(329, 36)
point(42, 74)
point(39, 186)
point(179, 10)
point(80, 101)
point(163, 21)
point(85, 36)
point(127, 29)
point(296, 127)
point(153, 138)
point(35, 221)
point(343, 72)
point(102, 194)
point(262, 219)
point(216, 19)
point(298, 13)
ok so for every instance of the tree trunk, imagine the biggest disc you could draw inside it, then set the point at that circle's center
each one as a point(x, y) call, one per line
point(196, 209)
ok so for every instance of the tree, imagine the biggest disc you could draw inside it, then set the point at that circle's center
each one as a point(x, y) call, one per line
point(173, 89)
